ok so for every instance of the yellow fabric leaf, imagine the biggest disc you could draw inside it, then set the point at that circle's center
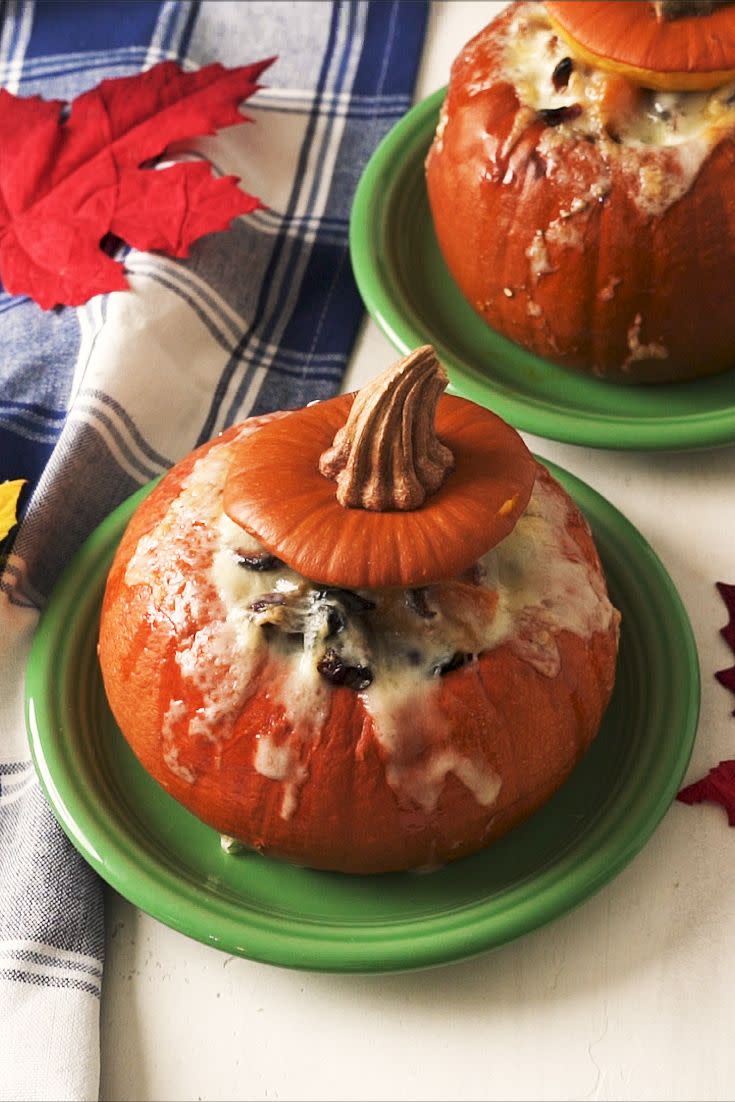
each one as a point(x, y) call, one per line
point(9, 492)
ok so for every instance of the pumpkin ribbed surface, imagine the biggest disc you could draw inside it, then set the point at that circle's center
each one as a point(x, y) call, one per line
point(592, 223)
point(323, 780)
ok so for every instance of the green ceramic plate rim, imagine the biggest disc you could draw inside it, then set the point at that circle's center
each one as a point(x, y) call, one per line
point(387, 305)
point(177, 899)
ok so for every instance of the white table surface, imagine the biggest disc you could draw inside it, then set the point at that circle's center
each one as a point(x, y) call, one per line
point(628, 997)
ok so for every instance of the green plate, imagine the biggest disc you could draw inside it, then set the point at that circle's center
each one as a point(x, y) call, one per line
point(166, 862)
point(411, 295)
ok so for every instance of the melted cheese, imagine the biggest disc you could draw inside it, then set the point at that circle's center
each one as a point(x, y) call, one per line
point(525, 591)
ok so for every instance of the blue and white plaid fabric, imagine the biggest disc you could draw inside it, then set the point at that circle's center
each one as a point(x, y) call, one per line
point(97, 400)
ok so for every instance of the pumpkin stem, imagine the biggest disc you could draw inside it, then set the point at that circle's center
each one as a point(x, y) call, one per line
point(667, 10)
point(387, 455)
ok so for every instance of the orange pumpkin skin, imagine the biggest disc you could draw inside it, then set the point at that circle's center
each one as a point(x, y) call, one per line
point(620, 294)
point(687, 53)
point(531, 729)
point(488, 488)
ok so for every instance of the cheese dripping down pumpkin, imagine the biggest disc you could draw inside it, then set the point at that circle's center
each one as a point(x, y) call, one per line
point(369, 635)
point(581, 188)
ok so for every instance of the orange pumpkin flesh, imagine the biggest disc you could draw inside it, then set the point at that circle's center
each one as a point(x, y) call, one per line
point(692, 53)
point(476, 507)
point(528, 728)
point(552, 240)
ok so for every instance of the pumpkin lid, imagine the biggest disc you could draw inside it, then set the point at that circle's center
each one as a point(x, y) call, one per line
point(397, 485)
point(673, 45)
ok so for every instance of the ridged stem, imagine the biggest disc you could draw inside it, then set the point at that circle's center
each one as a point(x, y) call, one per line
point(387, 456)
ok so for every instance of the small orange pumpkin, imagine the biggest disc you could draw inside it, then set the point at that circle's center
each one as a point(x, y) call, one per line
point(585, 213)
point(381, 727)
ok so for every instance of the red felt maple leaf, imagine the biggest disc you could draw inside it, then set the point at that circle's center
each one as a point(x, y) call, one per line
point(68, 180)
point(719, 784)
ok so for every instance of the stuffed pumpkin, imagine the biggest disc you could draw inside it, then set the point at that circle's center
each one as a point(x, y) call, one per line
point(581, 184)
point(368, 635)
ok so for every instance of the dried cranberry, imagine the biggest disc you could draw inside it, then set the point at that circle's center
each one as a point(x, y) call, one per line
point(266, 601)
point(334, 669)
point(555, 116)
point(261, 561)
point(562, 72)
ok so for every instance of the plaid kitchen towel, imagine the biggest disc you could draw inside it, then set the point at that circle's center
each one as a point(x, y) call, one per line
point(95, 401)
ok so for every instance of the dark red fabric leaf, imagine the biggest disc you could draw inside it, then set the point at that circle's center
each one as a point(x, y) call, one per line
point(67, 182)
point(719, 784)
point(727, 678)
point(717, 787)
point(727, 592)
